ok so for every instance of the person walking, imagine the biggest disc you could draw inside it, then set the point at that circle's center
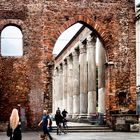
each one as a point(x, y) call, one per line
point(64, 113)
point(45, 124)
point(14, 126)
point(58, 110)
point(58, 120)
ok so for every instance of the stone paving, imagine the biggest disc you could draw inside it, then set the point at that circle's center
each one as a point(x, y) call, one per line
point(80, 136)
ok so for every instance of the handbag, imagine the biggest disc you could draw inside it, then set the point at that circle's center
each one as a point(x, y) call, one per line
point(9, 131)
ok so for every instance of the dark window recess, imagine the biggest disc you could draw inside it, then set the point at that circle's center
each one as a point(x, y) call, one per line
point(122, 98)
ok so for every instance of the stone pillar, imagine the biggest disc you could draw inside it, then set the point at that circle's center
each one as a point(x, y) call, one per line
point(56, 88)
point(83, 80)
point(69, 86)
point(91, 58)
point(76, 84)
point(60, 84)
point(101, 78)
point(65, 84)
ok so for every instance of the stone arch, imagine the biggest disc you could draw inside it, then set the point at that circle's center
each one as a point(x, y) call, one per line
point(60, 62)
point(88, 22)
point(17, 23)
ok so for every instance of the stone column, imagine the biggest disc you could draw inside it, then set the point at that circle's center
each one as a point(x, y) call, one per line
point(91, 58)
point(101, 78)
point(65, 84)
point(83, 80)
point(76, 84)
point(56, 88)
point(60, 84)
point(69, 87)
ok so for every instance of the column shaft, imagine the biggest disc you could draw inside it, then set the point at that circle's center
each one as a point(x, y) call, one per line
point(101, 78)
point(60, 82)
point(65, 84)
point(69, 87)
point(76, 84)
point(54, 91)
point(91, 41)
point(57, 89)
point(83, 80)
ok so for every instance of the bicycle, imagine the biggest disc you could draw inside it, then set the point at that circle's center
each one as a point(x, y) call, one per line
point(62, 127)
point(65, 126)
point(59, 129)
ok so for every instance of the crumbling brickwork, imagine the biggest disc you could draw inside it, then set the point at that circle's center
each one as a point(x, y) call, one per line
point(25, 79)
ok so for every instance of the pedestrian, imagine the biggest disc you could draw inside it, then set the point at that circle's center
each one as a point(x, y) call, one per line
point(45, 124)
point(58, 120)
point(58, 110)
point(14, 126)
point(64, 113)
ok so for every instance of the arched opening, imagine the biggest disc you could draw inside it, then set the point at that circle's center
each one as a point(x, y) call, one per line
point(11, 41)
point(79, 73)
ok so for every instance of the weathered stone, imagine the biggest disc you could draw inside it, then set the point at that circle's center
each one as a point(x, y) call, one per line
point(25, 81)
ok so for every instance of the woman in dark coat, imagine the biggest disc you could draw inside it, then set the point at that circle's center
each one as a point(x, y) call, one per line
point(15, 126)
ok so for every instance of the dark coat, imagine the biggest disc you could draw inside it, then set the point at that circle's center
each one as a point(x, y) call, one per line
point(58, 118)
point(16, 135)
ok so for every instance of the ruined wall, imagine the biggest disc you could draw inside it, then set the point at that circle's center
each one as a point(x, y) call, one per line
point(114, 22)
point(42, 21)
point(22, 78)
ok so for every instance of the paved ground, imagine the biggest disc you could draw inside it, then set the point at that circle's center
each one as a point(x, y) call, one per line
point(80, 136)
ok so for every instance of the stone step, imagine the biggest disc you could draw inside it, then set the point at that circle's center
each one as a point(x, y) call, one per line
point(86, 129)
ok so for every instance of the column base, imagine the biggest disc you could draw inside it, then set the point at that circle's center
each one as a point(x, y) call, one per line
point(93, 118)
point(82, 118)
point(69, 116)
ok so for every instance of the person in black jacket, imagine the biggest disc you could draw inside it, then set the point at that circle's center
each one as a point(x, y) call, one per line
point(64, 113)
point(58, 120)
point(15, 126)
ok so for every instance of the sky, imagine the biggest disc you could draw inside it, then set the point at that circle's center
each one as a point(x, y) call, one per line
point(137, 1)
point(65, 37)
point(11, 41)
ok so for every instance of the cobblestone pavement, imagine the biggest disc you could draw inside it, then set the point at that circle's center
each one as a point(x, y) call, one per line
point(80, 136)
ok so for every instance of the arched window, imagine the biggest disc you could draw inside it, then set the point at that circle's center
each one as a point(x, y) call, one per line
point(11, 41)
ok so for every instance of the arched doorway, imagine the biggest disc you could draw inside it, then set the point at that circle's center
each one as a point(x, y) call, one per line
point(79, 73)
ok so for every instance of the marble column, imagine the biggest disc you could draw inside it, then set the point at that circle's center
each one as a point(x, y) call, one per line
point(69, 86)
point(91, 58)
point(76, 84)
point(83, 79)
point(60, 82)
point(65, 84)
point(56, 88)
point(101, 78)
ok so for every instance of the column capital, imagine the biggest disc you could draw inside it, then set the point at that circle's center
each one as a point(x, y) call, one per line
point(56, 70)
point(64, 62)
point(82, 47)
point(91, 40)
point(60, 68)
point(75, 54)
point(69, 58)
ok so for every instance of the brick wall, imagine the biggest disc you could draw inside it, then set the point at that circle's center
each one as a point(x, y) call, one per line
point(41, 23)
